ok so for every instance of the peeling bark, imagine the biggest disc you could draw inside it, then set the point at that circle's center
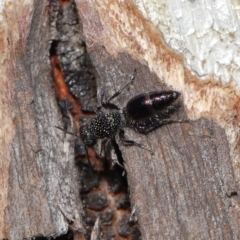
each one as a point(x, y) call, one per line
point(41, 179)
point(188, 189)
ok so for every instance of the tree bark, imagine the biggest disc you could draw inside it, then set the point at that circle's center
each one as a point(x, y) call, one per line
point(39, 183)
point(187, 190)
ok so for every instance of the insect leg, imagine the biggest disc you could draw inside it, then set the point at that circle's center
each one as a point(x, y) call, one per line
point(131, 142)
point(145, 129)
point(103, 143)
point(117, 152)
point(87, 156)
point(107, 104)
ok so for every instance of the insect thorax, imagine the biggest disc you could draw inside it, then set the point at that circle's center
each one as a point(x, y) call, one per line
point(127, 120)
point(105, 125)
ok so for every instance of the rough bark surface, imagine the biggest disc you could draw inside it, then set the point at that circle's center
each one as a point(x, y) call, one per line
point(42, 180)
point(186, 190)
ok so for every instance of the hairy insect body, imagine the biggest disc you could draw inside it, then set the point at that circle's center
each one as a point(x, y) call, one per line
point(143, 113)
point(105, 125)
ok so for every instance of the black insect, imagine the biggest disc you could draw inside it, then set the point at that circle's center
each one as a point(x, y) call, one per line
point(147, 111)
point(143, 113)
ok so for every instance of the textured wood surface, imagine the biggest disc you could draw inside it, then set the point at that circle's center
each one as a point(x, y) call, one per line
point(187, 190)
point(41, 179)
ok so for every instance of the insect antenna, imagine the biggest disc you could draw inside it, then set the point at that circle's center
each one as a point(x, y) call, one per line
point(67, 132)
point(84, 145)
point(121, 90)
point(107, 104)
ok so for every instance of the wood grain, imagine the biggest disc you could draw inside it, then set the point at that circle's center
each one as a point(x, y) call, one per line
point(187, 190)
point(42, 180)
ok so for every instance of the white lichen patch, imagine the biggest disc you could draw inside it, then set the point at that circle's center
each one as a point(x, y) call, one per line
point(206, 33)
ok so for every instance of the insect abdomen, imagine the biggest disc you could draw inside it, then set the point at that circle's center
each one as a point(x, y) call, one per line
point(146, 105)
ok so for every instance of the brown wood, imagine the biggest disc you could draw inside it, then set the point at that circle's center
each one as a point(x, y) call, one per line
point(187, 190)
point(39, 177)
